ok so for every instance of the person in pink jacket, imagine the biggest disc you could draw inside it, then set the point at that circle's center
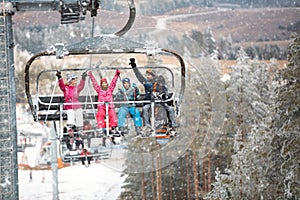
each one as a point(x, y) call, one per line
point(105, 94)
point(71, 94)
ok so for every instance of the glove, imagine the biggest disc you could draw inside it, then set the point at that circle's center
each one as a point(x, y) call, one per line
point(58, 74)
point(118, 72)
point(132, 62)
point(163, 96)
point(84, 75)
point(89, 73)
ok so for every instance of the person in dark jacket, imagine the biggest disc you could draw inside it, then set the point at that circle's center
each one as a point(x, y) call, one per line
point(153, 90)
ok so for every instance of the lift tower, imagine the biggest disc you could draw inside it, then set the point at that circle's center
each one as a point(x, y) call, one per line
point(71, 12)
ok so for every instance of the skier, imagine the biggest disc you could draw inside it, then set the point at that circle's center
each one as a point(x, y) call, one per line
point(30, 176)
point(71, 94)
point(129, 92)
point(105, 95)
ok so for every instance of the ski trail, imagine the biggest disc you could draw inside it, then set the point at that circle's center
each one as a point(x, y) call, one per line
point(161, 21)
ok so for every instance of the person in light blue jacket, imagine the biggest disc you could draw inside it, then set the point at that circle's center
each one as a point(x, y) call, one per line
point(129, 92)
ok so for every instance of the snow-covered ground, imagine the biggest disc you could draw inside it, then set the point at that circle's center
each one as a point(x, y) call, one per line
point(99, 181)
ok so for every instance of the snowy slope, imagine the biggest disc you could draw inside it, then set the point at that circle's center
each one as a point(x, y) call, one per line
point(99, 181)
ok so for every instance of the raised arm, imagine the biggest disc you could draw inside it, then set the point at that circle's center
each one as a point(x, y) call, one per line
point(113, 83)
point(137, 72)
point(61, 83)
point(94, 81)
point(82, 82)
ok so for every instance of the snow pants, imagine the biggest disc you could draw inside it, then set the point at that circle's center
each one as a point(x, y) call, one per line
point(133, 111)
point(75, 117)
point(171, 112)
point(100, 116)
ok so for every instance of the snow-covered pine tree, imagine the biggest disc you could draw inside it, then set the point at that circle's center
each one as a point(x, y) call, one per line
point(210, 43)
point(250, 97)
point(284, 171)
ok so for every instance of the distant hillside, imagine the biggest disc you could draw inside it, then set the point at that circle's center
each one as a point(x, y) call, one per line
point(244, 27)
point(159, 7)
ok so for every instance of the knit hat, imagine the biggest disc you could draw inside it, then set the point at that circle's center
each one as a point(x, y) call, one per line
point(150, 71)
point(125, 80)
point(70, 77)
point(103, 80)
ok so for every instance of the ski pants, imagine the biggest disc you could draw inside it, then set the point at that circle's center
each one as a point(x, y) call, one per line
point(75, 117)
point(113, 119)
point(133, 111)
point(171, 112)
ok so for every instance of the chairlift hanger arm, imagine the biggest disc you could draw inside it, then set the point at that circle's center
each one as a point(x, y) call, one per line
point(93, 43)
point(27, 83)
point(130, 21)
point(182, 64)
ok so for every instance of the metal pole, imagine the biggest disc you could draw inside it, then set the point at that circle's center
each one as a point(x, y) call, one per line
point(107, 118)
point(152, 115)
point(13, 118)
point(54, 162)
